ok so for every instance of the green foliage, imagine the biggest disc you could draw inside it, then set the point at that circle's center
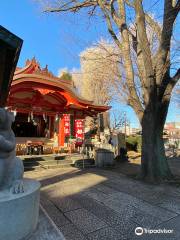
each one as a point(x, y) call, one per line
point(139, 143)
point(134, 143)
point(66, 76)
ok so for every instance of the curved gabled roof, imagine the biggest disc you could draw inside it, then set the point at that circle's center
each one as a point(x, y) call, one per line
point(38, 90)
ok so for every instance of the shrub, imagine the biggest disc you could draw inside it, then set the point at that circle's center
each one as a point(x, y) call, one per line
point(133, 143)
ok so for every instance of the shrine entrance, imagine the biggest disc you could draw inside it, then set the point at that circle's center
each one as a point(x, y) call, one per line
point(26, 125)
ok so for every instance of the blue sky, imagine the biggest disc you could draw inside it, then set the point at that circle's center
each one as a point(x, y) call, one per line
point(56, 40)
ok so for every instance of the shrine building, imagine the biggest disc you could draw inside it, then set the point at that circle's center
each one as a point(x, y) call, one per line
point(45, 105)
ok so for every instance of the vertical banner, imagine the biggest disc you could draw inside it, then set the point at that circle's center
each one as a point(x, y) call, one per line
point(79, 133)
point(66, 125)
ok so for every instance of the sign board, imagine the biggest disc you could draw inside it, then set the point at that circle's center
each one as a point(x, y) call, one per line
point(10, 47)
point(79, 126)
point(66, 125)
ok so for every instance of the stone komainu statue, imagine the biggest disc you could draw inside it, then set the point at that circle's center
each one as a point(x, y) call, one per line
point(11, 167)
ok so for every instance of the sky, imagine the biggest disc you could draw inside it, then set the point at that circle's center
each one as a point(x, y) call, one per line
point(58, 40)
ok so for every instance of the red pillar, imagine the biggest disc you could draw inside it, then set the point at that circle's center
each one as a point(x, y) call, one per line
point(61, 136)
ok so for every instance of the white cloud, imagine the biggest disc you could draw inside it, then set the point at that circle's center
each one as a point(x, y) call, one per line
point(62, 70)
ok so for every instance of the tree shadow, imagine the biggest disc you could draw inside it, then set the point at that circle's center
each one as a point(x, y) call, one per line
point(89, 201)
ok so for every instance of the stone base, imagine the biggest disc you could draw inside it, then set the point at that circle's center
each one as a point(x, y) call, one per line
point(19, 212)
point(104, 158)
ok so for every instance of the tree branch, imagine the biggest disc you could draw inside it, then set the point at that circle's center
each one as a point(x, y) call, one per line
point(73, 6)
point(170, 14)
point(154, 25)
point(134, 100)
point(176, 77)
point(109, 24)
point(144, 50)
point(171, 85)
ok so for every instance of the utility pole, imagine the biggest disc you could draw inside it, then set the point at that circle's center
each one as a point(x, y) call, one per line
point(125, 124)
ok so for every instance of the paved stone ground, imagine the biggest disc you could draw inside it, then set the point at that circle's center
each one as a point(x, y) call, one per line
point(103, 205)
point(46, 230)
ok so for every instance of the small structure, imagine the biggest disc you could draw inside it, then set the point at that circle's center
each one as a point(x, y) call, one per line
point(104, 158)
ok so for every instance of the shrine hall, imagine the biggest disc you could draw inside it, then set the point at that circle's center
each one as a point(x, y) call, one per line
point(46, 106)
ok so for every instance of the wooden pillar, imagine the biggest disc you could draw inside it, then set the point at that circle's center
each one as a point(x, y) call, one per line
point(51, 126)
point(61, 135)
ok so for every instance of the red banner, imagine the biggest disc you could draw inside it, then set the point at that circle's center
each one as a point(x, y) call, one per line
point(66, 124)
point(79, 132)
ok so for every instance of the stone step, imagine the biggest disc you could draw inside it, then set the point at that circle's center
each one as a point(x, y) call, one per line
point(85, 163)
point(57, 166)
point(33, 168)
point(46, 166)
point(85, 166)
point(38, 158)
point(48, 162)
point(50, 157)
point(36, 163)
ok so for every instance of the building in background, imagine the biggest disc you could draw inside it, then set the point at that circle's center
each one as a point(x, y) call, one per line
point(172, 134)
point(45, 104)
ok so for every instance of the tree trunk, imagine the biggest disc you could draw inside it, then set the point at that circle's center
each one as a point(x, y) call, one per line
point(154, 165)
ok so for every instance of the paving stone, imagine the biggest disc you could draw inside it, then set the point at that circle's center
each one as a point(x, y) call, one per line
point(128, 185)
point(99, 210)
point(133, 214)
point(126, 228)
point(154, 199)
point(85, 221)
point(45, 230)
point(173, 224)
point(96, 195)
point(45, 202)
point(65, 204)
point(155, 211)
point(70, 232)
point(130, 213)
point(172, 191)
point(104, 189)
point(120, 186)
point(143, 219)
point(126, 199)
point(116, 204)
point(171, 203)
point(58, 218)
point(106, 234)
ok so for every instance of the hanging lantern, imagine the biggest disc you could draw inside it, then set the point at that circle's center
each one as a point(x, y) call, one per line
point(29, 117)
point(15, 113)
point(45, 117)
point(32, 116)
point(56, 117)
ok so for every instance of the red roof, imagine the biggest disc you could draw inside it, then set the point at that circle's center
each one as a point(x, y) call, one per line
point(36, 89)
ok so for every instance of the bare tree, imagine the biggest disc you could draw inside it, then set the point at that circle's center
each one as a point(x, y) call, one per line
point(151, 99)
point(176, 95)
point(98, 66)
point(99, 70)
point(119, 120)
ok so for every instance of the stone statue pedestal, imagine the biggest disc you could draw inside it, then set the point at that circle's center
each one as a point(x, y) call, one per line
point(19, 212)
